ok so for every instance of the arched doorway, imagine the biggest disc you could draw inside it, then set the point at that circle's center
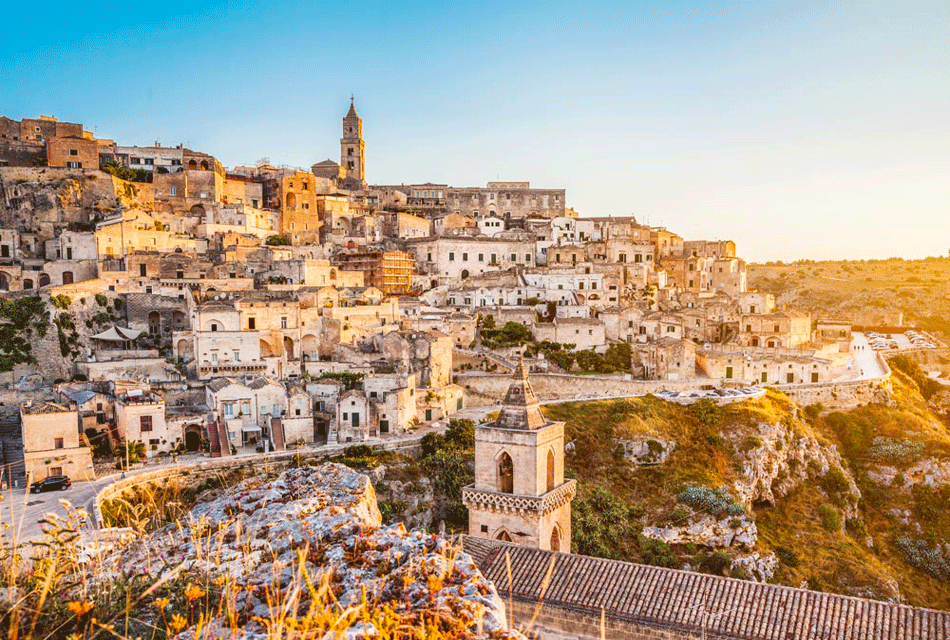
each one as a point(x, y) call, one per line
point(289, 348)
point(192, 437)
point(44, 279)
point(204, 165)
point(197, 210)
point(506, 474)
point(67, 277)
point(550, 470)
point(4, 282)
point(184, 349)
point(503, 536)
point(291, 201)
point(556, 539)
point(464, 274)
point(28, 283)
point(192, 164)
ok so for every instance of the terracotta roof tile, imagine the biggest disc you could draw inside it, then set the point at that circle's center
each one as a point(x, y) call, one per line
point(670, 598)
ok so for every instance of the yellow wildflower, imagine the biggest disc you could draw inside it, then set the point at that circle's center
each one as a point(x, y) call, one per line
point(178, 623)
point(161, 603)
point(193, 592)
point(80, 608)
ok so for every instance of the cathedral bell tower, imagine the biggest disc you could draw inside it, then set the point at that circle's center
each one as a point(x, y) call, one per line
point(520, 494)
point(351, 149)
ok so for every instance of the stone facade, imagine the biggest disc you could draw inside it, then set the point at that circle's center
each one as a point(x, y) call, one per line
point(520, 494)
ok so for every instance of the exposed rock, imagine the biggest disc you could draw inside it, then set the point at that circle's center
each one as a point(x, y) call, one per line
point(324, 522)
point(647, 450)
point(709, 532)
point(759, 568)
point(931, 472)
point(779, 460)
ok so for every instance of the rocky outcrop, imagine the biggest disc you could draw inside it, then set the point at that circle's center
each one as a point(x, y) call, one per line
point(776, 458)
point(931, 472)
point(758, 567)
point(709, 532)
point(309, 540)
point(647, 450)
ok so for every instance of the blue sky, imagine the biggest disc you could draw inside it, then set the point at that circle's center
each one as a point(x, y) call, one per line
point(800, 130)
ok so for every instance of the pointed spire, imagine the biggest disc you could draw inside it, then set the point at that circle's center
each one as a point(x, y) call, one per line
point(352, 112)
point(520, 407)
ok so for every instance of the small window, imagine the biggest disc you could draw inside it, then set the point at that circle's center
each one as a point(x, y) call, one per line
point(145, 423)
point(58, 443)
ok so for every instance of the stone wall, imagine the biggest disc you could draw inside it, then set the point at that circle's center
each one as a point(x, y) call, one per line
point(552, 622)
point(488, 389)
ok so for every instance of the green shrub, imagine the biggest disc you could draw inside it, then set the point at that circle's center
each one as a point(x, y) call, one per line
point(830, 517)
point(706, 412)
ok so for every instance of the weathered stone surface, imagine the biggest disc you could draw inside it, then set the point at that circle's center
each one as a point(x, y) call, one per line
point(324, 522)
point(708, 532)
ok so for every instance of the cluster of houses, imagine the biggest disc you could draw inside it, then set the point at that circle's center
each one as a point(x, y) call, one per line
point(264, 307)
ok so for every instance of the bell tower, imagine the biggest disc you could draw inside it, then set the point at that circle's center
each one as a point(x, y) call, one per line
point(351, 148)
point(520, 494)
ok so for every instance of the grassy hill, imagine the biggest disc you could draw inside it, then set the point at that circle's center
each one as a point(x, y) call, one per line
point(831, 517)
point(919, 288)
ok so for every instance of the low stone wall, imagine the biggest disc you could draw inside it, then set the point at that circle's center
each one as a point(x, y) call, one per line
point(561, 623)
point(843, 395)
point(488, 389)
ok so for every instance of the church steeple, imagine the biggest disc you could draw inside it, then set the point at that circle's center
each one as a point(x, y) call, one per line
point(352, 157)
point(520, 494)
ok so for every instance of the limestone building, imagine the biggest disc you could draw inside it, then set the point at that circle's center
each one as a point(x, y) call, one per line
point(520, 494)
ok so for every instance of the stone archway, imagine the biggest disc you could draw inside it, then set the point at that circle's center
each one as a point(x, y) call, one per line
point(464, 274)
point(44, 279)
point(183, 349)
point(503, 536)
point(193, 437)
point(67, 277)
point(506, 474)
point(289, 348)
point(4, 281)
point(291, 201)
point(267, 351)
point(27, 283)
point(555, 539)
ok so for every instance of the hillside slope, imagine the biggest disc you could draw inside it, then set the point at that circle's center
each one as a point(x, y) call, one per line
point(853, 503)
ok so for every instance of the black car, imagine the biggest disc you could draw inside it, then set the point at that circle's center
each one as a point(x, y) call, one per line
point(51, 484)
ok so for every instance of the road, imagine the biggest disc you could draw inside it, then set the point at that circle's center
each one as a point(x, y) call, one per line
point(865, 364)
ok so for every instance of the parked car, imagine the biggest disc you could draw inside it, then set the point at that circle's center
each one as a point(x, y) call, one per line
point(52, 483)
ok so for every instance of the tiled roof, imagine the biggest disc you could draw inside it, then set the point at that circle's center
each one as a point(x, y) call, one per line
point(671, 598)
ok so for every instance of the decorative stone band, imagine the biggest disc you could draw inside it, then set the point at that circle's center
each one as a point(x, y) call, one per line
point(512, 503)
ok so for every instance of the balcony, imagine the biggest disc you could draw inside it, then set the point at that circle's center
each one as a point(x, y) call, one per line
point(513, 503)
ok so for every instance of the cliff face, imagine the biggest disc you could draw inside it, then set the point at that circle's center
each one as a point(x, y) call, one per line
point(308, 546)
point(41, 199)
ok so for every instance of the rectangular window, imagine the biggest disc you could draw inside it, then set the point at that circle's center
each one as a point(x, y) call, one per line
point(283, 322)
point(58, 443)
point(790, 377)
point(451, 256)
point(464, 257)
point(481, 257)
point(145, 423)
point(143, 270)
point(728, 372)
point(172, 191)
point(74, 165)
point(246, 408)
point(765, 377)
point(252, 323)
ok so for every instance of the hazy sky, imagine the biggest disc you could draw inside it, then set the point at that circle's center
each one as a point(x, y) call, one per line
point(798, 129)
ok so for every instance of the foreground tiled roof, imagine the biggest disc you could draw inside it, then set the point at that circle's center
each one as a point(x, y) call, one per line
point(674, 599)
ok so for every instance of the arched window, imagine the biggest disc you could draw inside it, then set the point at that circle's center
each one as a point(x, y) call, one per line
point(192, 164)
point(556, 539)
point(550, 470)
point(503, 536)
point(506, 474)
